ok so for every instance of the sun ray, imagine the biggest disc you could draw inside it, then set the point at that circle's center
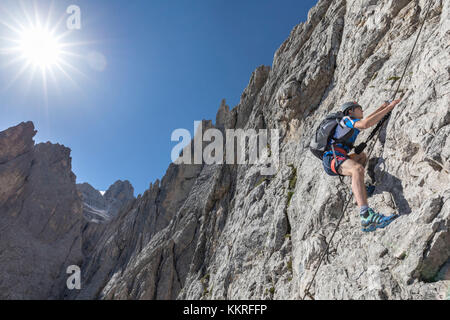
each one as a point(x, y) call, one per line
point(53, 77)
point(9, 51)
point(14, 19)
point(78, 44)
point(70, 54)
point(68, 65)
point(68, 77)
point(57, 25)
point(64, 72)
point(63, 35)
point(45, 93)
point(11, 27)
point(17, 76)
point(36, 15)
point(12, 62)
point(30, 79)
point(8, 39)
point(49, 16)
point(44, 85)
point(26, 13)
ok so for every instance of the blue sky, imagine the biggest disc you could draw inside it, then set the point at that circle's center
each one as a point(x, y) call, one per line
point(168, 63)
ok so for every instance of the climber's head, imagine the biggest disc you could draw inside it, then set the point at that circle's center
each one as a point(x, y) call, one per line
point(352, 109)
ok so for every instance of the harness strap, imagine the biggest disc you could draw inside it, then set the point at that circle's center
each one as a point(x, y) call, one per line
point(334, 162)
point(340, 150)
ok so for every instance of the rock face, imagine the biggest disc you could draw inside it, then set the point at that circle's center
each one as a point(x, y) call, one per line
point(226, 232)
point(40, 216)
point(117, 196)
point(94, 205)
point(102, 208)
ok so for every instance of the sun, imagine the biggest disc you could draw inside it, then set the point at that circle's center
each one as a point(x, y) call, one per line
point(39, 47)
point(38, 50)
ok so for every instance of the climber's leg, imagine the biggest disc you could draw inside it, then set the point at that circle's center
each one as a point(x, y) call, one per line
point(360, 158)
point(356, 171)
point(370, 220)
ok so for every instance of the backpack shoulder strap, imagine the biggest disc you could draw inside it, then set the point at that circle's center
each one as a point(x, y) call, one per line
point(342, 122)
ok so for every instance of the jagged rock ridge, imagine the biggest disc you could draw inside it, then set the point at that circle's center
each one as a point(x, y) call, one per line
point(40, 216)
point(99, 207)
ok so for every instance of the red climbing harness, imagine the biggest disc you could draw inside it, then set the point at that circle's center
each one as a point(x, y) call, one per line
point(340, 158)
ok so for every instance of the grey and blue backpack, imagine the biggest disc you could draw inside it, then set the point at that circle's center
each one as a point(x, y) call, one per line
point(325, 132)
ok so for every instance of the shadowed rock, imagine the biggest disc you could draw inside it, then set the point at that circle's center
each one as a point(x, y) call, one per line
point(40, 216)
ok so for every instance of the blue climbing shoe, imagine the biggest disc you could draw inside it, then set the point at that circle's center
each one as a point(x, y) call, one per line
point(370, 189)
point(370, 221)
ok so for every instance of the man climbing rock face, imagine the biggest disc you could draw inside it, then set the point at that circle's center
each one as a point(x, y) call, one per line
point(336, 160)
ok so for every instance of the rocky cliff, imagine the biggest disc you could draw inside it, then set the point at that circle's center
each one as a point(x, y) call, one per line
point(226, 232)
point(40, 216)
point(98, 207)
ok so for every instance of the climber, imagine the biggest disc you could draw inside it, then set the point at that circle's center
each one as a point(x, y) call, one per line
point(337, 161)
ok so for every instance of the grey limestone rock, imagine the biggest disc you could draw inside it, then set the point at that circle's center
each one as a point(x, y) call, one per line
point(40, 216)
point(99, 207)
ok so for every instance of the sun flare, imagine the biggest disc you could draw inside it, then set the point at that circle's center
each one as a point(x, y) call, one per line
point(38, 50)
point(39, 47)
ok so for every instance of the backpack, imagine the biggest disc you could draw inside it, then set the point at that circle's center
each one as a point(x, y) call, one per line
point(325, 132)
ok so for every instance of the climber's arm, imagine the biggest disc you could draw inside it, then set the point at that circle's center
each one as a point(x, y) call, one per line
point(373, 119)
point(383, 106)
